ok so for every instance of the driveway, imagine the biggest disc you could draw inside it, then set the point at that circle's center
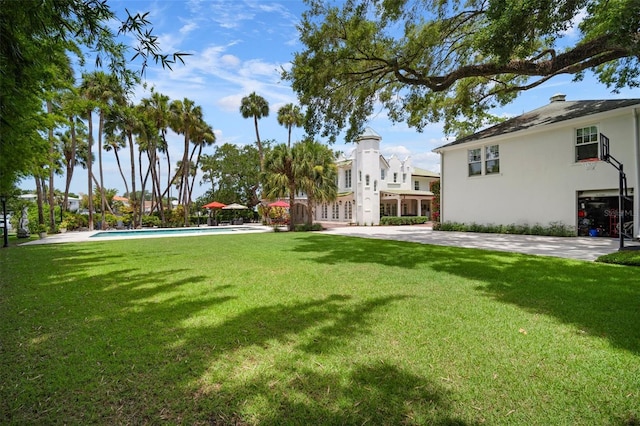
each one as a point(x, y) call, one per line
point(581, 248)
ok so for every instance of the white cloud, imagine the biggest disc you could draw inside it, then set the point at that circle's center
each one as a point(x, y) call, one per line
point(427, 160)
point(230, 103)
point(230, 61)
point(188, 28)
point(257, 67)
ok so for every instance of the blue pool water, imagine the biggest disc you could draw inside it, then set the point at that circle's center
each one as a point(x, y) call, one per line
point(168, 231)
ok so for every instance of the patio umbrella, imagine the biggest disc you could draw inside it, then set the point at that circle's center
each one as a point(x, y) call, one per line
point(235, 206)
point(280, 203)
point(213, 205)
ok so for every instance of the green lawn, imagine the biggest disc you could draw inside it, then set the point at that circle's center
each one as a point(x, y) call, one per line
point(303, 328)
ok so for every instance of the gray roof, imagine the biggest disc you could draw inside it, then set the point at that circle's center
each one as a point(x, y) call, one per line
point(554, 112)
point(369, 133)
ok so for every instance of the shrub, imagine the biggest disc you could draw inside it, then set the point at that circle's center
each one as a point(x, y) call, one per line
point(403, 220)
point(304, 227)
point(150, 221)
point(555, 229)
point(111, 220)
point(623, 257)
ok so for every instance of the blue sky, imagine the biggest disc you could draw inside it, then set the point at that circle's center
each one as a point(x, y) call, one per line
point(240, 46)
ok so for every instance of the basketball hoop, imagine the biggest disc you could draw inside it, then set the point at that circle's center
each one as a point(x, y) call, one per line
point(604, 148)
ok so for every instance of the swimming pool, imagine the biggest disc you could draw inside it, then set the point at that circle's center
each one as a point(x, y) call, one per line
point(157, 232)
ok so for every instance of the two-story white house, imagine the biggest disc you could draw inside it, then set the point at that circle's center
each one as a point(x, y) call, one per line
point(543, 167)
point(370, 186)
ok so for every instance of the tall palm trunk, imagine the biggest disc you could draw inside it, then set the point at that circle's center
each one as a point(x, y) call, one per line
point(90, 172)
point(52, 218)
point(166, 150)
point(193, 178)
point(103, 200)
point(143, 183)
point(124, 179)
point(292, 200)
point(72, 163)
point(259, 143)
point(132, 194)
point(184, 185)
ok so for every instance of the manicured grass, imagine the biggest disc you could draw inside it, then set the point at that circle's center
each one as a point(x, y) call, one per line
point(300, 328)
point(625, 257)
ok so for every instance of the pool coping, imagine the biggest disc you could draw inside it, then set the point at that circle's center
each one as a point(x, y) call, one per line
point(86, 236)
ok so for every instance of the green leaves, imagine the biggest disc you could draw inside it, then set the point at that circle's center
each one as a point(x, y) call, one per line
point(426, 61)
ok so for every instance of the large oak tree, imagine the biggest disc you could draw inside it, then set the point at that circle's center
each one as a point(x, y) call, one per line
point(427, 61)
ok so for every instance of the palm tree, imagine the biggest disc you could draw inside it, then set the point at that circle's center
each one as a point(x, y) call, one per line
point(204, 136)
point(280, 175)
point(317, 174)
point(185, 119)
point(123, 123)
point(74, 152)
point(157, 110)
point(74, 141)
point(257, 107)
point(289, 116)
point(116, 136)
point(86, 89)
point(104, 90)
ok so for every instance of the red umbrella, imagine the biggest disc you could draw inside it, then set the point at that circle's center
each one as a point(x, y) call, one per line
point(280, 203)
point(213, 205)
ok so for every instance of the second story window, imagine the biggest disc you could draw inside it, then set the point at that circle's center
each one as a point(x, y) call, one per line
point(416, 185)
point(587, 143)
point(366, 180)
point(381, 174)
point(395, 177)
point(492, 159)
point(475, 162)
point(347, 178)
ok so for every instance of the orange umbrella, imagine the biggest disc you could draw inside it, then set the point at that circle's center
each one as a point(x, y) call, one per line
point(214, 205)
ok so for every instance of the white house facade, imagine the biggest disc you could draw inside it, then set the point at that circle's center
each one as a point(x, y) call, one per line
point(543, 167)
point(370, 186)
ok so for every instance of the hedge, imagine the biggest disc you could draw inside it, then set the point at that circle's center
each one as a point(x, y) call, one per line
point(403, 220)
point(554, 229)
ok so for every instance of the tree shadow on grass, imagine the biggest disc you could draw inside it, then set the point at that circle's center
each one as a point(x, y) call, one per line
point(596, 298)
point(378, 394)
point(105, 350)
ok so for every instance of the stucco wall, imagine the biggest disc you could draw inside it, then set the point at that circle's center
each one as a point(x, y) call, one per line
point(539, 178)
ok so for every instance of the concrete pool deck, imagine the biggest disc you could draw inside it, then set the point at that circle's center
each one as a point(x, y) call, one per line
point(84, 236)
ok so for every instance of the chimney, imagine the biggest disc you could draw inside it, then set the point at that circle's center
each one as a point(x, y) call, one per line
point(558, 97)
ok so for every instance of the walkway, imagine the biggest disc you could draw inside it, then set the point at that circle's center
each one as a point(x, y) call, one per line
point(581, 248)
